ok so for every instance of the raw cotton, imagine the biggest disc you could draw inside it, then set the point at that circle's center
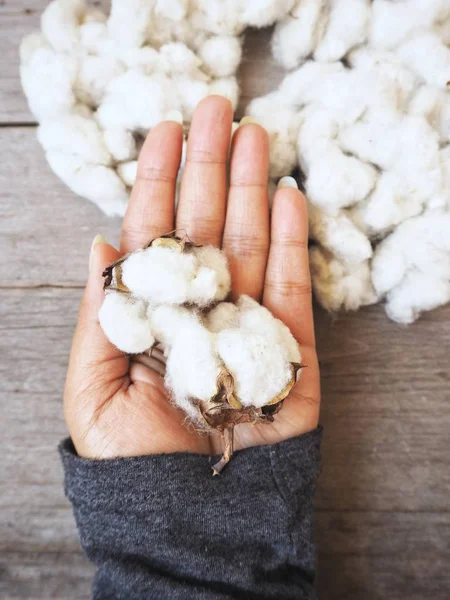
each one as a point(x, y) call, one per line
point(226, 363)
point(364, 112)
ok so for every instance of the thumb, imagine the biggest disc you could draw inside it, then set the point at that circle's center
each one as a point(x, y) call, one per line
point(96, 368)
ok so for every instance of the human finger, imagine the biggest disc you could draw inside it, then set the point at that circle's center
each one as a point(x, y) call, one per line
point(202, 202)
point(150, 211)
point(246, 234)
point(287, 287)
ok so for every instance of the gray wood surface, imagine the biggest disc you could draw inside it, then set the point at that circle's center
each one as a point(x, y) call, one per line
point(383, 514)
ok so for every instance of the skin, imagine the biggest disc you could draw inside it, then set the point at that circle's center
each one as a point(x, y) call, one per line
point(117, 406)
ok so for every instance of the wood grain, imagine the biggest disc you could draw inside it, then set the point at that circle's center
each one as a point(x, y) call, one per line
point(45, 576)
point(383, 511)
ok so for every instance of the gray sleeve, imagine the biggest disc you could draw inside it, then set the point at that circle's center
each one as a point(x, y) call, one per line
point(162, 527)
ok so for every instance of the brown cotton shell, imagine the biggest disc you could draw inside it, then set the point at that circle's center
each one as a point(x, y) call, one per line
point(225, 410)
point(113, 273)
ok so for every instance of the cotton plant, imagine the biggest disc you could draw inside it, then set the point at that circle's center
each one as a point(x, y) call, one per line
point(226, 363)
point(363, 112)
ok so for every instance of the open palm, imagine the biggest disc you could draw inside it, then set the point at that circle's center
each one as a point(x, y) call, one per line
point(116, 405)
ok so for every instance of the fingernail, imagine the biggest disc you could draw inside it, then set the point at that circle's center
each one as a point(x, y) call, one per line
point(174, 115)
point(234, 128)
point(99, 239)
point(287, 182)
point(247, 120)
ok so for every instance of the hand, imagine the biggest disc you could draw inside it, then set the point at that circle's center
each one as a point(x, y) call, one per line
point(116, 405)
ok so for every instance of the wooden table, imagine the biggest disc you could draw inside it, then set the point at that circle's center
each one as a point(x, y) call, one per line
point(383, 520)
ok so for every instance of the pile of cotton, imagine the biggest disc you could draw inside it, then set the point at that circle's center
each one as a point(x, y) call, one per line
point(225, 363)
point(364, 112)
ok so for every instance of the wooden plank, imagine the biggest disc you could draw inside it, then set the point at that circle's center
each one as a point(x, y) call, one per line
point(379, 454)
point(45, 230)
point(17, 18)
point(258, 72)
point(41, 576)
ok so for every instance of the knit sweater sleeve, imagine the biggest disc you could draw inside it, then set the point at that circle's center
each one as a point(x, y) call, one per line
point(161, 526)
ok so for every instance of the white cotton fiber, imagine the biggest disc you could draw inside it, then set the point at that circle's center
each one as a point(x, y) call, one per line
point(256, 355)
point(108, 191)
point(168, 275)
point(295, 36)
point(150, 101)
point(221, 55)
point(417, 253)
point(120, 143)
point(428, 58)
point(192, 366)
point(124, 321)
point(75, 135)
point(364, 110)
point(47, 79)
point(346, 28)
point(338, 284)
point(127, 172)
point(337, 233)
point(60, 23)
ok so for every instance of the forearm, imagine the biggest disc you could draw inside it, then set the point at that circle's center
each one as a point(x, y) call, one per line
point(162, 527)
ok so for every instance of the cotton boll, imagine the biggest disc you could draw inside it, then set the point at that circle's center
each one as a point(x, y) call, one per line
point(145, 59)
point(389, 139)
point(317, 129)
point(299, 87)
point(159, 274)
point(60, 22)
point(124, 322)
point(97, 183)
point(412, 266)
point(258, 319)
point(346, 28)
point(338, 284)
point(339, 235)
point(295, 36)
point(192, 366)
point(220, 18)
point(221, 55)
point(178, 58)
point(142, 109)
point(260, 367)
point(428, 58)
point(390, 70)
point(416, 293)
point(127, 172)
point(127, 23)
point(120, 143)
point(189, 93)
point(93, 77)
point(47, 79)
point(175, 10)
point(334, 180)
point(73, 134)
point(227, 87)
point(173, 276)
point(262, 13)
point(223, 316)
point(93, 37)
point(390, 203)
point(394, 22)
point(213, 260)
point(434, 105)
point(337, 180)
